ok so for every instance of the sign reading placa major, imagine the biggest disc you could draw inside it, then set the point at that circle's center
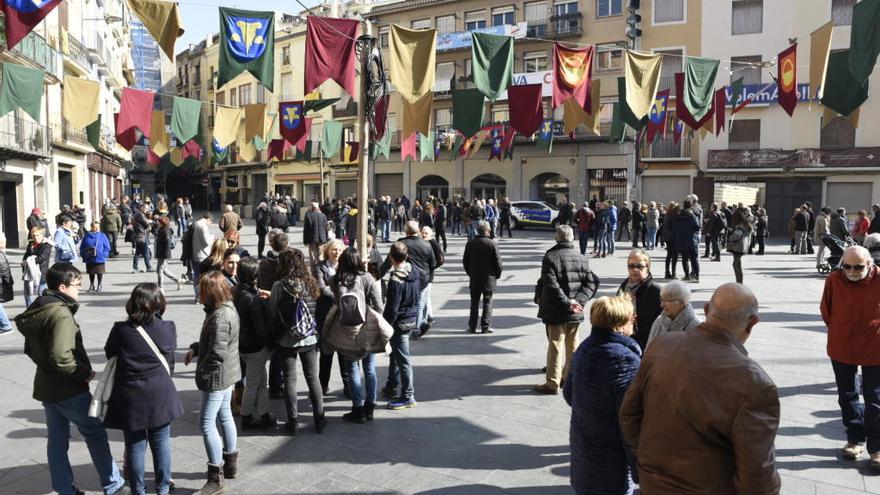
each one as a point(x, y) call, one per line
point(803, 158)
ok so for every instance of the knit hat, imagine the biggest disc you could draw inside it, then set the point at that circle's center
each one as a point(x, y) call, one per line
point(37, 211)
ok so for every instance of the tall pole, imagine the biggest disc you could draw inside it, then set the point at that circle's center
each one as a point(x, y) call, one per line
point(364, 160)
point(321, 195)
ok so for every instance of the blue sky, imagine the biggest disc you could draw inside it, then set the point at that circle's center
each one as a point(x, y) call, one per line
point(201, 20)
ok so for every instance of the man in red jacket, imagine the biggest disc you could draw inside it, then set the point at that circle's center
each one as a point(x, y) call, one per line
point(851, 310)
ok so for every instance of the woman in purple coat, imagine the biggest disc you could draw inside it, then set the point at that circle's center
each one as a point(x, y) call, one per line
point(144, 400)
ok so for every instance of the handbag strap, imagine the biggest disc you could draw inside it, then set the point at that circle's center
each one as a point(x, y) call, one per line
point(155, 349)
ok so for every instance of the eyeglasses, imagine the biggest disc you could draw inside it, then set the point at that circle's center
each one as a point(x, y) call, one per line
point(857, 268)
point(632, 266)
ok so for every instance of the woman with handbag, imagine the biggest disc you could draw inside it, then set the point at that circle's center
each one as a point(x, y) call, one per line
point(292, 309)
point(94, 250)
point(144, 401)
point(35, 264)
point(217, 371)
point(351, 283)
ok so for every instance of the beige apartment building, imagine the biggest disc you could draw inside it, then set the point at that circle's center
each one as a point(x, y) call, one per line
point(579, 167)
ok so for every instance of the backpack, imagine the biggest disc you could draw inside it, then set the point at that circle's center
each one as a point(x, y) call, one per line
point(352, 304)
point(302, 325)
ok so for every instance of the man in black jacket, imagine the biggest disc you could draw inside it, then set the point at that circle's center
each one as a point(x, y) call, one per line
point(623, 221)
point(262, 218)
point(315, 232)
point(421, 256)
point(565, 286)
point(875, 221)
point(440, 222)
point(482, 263)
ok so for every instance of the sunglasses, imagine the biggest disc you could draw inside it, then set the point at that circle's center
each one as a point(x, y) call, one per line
point(636, 267)
point(852, 267)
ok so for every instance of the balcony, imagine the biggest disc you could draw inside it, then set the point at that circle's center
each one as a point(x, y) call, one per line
point(23, 139)
point(78, 52)
point(35, 49)
point(666, 148)
point(65, 135)
point(557, 26)
point(95, 45)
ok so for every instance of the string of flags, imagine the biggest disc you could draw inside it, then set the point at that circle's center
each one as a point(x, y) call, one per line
point(838, 80)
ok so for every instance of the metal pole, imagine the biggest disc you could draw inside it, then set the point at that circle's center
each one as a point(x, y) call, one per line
point(364, 160)
point(321, 195)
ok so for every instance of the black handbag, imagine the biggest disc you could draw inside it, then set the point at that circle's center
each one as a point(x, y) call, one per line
point(129, 235)
point(8, 294)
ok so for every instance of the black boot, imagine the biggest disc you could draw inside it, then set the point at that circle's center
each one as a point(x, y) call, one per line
point(356, 415)
point(292, 426)
point(267, 421)
point(249, 422)
point(230, 465)
point(368, 411)
point(320, 423)
point(214, 485)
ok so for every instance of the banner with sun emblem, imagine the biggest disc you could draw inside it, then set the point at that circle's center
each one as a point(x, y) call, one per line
point(292, 121)
point(247, 43)
point(787, 79)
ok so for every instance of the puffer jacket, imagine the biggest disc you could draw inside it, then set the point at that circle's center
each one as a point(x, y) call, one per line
point(111, 222)
point(686, 226)
point(669, 231)
point(838, 226)
point(163, 243)
point(403, 295)
point(267, 273)
point(255, 332)
point(217, 350)
point(565, 277)
point(603, 367)
point(53, 341)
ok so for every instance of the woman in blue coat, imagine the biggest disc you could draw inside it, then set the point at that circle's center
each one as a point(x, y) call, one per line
point(94, 250)
point(602, 370)
point(144, 400)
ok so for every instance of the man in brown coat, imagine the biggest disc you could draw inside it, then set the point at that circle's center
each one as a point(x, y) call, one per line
point(700, 392)
point(230, 220)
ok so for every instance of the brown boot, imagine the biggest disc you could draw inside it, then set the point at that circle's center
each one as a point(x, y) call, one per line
point(230, 465)
point(214, 485)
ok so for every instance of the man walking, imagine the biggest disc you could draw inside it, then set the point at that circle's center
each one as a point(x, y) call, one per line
point(565, 286)
point(315, 232)
point(701, 416)
point(230, 221)
point(491, 217)
point(849, 308)
point(440, 222)
point(54, 343)
point(482, 263)
point(624, 220)
point(504, 218)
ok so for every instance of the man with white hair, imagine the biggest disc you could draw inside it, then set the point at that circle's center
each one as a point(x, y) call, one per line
point(700, 392)
point(565, 287)
point(229, 221)
point(850, 305)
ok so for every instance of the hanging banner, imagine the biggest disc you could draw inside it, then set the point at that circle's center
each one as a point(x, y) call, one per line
point(699, 85)
point(820, 48)
point(247, 43)
point(81, 101)
point(330, 52)
point(492, 63)
point(292, 121)
point(22, 16)
point(657, 117)
point(786, 80)
point(642, 74)
point(526, 108)
point(412, 64)
point(22, 87)
point(162, 20)
point(572, 69)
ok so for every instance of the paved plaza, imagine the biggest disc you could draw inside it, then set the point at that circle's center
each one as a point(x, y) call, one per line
point(478, 428)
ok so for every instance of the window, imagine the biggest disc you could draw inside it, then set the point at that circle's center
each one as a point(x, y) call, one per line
point(244, 94)
point(261, 93)
point(233, 97)
point(445, 73)
point(745, 67)
point(671, 64)
point(841, 12)
point(474, 20)
point(213, 77)
point(500, 113)
point(287, 86)
point(197, 74)
point(747, 16)
point(536, 19)
point(745, 134)
point(445, 24)
point(839, 133)
point(421, 24)
point(609, 57)
point(503, 15)
point(669, 11)
point(285, 55)
point(568, 16)
point(443, 118)
point(221, 99)
point(535, 61)
point(384, 34)
point(468, 74)
point(608, 8)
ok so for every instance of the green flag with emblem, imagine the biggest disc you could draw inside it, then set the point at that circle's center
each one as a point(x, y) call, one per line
point(247, 43)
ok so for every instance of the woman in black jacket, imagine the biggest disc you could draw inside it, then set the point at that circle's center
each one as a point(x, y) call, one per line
point(255, 343)
point(41, 250)
point(645, 294)
point(144, 400)
point(296, 338)
point(668, 232)
point(163, 251)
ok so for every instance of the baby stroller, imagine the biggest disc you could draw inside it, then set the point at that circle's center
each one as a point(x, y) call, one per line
point(835, 246)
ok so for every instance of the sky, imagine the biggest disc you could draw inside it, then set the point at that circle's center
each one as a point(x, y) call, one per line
point(201, 19)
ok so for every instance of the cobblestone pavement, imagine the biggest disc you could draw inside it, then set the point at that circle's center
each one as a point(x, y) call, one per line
point(478, 429)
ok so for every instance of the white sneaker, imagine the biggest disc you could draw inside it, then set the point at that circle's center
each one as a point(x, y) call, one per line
point(179, 283)
point(852, 451)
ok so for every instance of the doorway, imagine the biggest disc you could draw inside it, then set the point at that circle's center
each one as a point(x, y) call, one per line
point(432, 185)
point(65, 188)
point(9, 212)
point(488, 186)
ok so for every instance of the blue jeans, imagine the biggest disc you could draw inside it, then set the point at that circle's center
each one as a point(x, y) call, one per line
point(400, 368)
point(456, 227)
point(862, 421)
point(609, 240)
point(583, 239)
point(141, 248)
point(136, 449)
point(386, 230)
point(181, 226)
point(471, 230)
point(652, 237)
point(358, 398)
point(75, 410)
point(421, 305)
point(194, 266)
point(5, 324)
point(602, 242)
point(217, 405)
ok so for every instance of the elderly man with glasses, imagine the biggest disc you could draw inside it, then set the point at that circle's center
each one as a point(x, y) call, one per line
point(850, 308)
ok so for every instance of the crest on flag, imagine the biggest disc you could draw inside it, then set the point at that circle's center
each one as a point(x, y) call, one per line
point(291, 115)
point(27, 6)
point(657, 116)
point(246, 36)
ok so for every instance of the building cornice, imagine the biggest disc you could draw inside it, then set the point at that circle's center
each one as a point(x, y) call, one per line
point(404, 6)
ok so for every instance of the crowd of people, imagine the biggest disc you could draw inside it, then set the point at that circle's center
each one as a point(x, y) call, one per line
point(636, 384)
